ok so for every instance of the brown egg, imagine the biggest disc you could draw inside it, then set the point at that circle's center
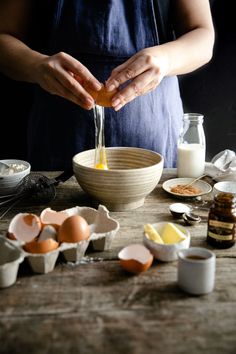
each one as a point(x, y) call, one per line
point(102, 97)
point(74, 229)
point(52, 217)
point(24, 227)
point(135, 258)
point(45, 246)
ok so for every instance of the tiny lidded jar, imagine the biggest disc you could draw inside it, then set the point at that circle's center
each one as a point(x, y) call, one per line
point(221, 231)
point(191, 147)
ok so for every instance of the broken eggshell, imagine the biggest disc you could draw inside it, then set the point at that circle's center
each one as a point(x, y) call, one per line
point(135, 258)
point(24, 227)
point(53, 217)
point(40, 253)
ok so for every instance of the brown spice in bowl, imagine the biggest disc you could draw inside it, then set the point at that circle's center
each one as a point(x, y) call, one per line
point(185, 189)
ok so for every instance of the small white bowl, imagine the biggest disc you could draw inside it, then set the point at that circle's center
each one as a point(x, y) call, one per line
point(224, 187)
point(9, 182)
point(178, 210)
point(166, 252)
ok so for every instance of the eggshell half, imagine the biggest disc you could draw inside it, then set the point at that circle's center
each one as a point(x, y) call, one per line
point(45, 246)
point(135, 258)
point(74, 229)
point(24, 227)
point(52, 217)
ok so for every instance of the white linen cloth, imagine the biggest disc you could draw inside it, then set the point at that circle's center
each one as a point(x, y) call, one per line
point(223, 166)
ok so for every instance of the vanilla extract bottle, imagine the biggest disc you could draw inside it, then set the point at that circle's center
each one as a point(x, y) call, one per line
point(221, 231)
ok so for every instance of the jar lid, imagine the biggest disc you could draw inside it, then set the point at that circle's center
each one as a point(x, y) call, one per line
point(225, 198)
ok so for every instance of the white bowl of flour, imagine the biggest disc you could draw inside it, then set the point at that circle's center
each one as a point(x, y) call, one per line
point(12, 175)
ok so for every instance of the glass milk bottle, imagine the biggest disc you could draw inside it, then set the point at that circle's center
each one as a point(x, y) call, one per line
point(191, 147)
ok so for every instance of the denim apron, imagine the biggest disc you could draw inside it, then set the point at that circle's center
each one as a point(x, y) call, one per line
point(102, 35)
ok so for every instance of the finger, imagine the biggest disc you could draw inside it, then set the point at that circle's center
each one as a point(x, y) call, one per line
point(117, 105)
point(72, 85)
point(134, 89)
point(56, 88)
point(73, 65)
point(119, 68)
point(126, 73)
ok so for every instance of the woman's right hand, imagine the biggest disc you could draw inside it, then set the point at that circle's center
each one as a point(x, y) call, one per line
point(63, 75)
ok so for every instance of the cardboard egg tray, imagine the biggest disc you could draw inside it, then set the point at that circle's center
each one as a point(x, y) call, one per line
point(102, 231)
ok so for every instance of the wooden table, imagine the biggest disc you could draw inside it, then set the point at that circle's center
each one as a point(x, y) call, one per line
point(96, 307)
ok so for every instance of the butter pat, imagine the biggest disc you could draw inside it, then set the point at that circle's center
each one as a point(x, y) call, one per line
point(152, 233)
point(171, 234)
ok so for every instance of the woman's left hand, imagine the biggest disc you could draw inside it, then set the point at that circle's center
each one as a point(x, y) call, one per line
point(143, 72)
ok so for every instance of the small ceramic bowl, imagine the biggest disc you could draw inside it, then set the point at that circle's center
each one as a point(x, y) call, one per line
point(178, 209)
point(166, 252)
point(224, 187)
point(10, 178)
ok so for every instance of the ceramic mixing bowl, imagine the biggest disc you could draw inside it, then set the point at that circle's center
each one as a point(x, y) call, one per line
point(133, 173)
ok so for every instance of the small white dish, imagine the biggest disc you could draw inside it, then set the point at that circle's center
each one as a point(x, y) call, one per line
point(166, 252)
point(202, 185)
point(178, 210)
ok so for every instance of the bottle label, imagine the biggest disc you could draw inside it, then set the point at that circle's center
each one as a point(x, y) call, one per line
point(220, 237)
point(223, 225)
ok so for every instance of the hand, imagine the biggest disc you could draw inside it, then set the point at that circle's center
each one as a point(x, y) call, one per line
point(64, 76)
point(144, 70)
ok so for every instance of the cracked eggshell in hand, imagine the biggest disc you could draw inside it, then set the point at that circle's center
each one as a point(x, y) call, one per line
point(74, 229)
point(135, 258)
point(24, 227)
point(102, 97)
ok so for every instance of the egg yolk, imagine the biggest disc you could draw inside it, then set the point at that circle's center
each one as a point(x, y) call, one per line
point(101, 166)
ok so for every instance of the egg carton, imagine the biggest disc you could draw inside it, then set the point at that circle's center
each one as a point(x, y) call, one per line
point(102, 232)
point(10, 259)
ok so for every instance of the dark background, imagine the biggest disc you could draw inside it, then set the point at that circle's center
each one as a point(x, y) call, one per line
point(210, 90)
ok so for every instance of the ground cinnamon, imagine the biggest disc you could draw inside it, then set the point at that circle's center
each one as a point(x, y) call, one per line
point(185, 189)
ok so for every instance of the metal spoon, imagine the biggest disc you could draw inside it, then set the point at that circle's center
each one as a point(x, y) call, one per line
point(191, 219)
point(192, 182)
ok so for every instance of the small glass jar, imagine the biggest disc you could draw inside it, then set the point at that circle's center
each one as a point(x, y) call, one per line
point(221, 231)
point(191, 147)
